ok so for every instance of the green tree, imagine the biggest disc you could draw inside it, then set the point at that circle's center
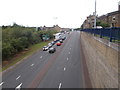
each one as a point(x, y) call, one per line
point(103, 24)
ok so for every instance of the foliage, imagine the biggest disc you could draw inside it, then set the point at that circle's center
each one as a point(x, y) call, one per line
point(103, 24)
point(77, 29)
point(16, 38)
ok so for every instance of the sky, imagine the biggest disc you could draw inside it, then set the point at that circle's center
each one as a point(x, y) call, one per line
point(65, 13)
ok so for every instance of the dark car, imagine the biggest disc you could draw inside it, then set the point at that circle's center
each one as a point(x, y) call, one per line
point(52, 50)
point(61, 41)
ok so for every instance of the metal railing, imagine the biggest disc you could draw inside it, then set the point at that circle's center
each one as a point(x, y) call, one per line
point(113, 34)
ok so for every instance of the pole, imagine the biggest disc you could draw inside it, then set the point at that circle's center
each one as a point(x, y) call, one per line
point(95, 16)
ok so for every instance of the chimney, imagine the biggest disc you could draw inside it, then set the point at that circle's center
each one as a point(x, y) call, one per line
point(119, 6)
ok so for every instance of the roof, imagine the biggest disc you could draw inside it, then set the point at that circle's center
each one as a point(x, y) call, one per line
point(113, 13)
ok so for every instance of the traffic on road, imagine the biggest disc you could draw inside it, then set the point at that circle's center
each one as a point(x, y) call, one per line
point(61, 69)
point(59, 38)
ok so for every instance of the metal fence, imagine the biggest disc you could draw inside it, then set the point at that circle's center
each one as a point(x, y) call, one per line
point(113, 34)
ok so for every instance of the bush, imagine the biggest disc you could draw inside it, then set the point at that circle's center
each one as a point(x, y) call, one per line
point(7, 50)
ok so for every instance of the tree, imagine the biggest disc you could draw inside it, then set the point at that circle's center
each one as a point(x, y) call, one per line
point(103, 24)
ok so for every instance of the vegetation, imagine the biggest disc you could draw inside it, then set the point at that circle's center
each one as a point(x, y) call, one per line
point(24, 54)
point(77, 29)
point(103, 24)
point(16, 38)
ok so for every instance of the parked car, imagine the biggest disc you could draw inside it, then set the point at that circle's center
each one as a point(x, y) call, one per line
point(45, 48)
point(52, 50)
point(58, 43)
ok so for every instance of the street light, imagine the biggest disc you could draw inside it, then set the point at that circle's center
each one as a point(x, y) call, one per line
point(95, 16)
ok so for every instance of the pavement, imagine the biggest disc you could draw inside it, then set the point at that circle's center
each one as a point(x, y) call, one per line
point(62, 69)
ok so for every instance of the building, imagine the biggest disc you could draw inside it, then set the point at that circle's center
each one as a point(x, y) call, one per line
point(113, 18)
point(55, 27)
point(89, 22)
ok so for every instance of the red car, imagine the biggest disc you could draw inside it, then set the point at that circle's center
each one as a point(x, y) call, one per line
point(58, 43)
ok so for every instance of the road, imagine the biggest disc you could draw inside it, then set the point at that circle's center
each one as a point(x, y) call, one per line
point(62, 69)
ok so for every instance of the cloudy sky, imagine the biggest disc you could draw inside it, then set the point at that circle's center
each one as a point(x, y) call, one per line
point(65, 13)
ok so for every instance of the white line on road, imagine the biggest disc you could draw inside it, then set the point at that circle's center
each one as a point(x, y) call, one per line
point(60, 85)
point(64, 68)
point(41, 57)
point(67, 58)
point(18, 77)
point(70, 48)
point(69, 52)
point(18, 87)
point(32, 65)
point(1, 83)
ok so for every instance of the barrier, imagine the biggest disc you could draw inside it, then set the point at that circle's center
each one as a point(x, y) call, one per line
point(113, 34)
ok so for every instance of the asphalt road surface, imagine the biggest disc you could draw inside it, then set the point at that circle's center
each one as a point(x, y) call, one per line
point(62, 69)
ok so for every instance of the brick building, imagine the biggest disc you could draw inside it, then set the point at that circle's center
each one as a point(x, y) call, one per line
point(89, 22)
point(55, 27)
point(113, 18)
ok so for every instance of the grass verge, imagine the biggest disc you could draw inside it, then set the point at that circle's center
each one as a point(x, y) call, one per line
point(31, 50)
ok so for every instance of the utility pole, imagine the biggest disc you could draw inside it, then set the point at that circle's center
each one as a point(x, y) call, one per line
point(95, 16)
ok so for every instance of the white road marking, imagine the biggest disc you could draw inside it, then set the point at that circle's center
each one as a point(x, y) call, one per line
point(67, 58)
point(64, 68)
point(70, 48)
point(18, 77)
point(1, 83)
point(18, 87)
point(41, 57)
point(60, 85)
point(32, 65)
point(69, 52)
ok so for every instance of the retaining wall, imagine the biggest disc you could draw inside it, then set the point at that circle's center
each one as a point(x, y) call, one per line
point(102, 61)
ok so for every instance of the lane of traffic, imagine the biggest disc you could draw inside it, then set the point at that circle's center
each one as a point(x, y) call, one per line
point(56, 74)
point(24, 70)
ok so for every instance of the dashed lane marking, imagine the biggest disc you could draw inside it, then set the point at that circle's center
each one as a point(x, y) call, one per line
point(18, 77)
point(64, 68)
point(41, 57)
point(18, 87)
point(1, 83)
point(67, 58)
point(32, 65)
point(60, 86)
point(69, 52)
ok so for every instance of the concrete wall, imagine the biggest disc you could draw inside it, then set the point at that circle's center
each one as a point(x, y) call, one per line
point(102, 62)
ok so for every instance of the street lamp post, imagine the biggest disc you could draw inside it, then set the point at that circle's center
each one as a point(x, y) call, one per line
point(95, 16)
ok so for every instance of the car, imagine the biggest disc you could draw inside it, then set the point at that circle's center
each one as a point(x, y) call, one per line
point(52, 42)
point(50, 45)
point(61, 41)
point(68, 32)
point(52, 50)
point(58, 43)
point(63, 38)
point(45, 48)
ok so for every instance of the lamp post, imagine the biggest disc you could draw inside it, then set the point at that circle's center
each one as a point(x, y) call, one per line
point(95, 16)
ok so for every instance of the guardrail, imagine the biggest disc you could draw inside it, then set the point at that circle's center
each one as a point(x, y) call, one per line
point(113, 34)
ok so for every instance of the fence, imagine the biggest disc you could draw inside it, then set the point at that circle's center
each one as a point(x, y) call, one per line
point(113, 34)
